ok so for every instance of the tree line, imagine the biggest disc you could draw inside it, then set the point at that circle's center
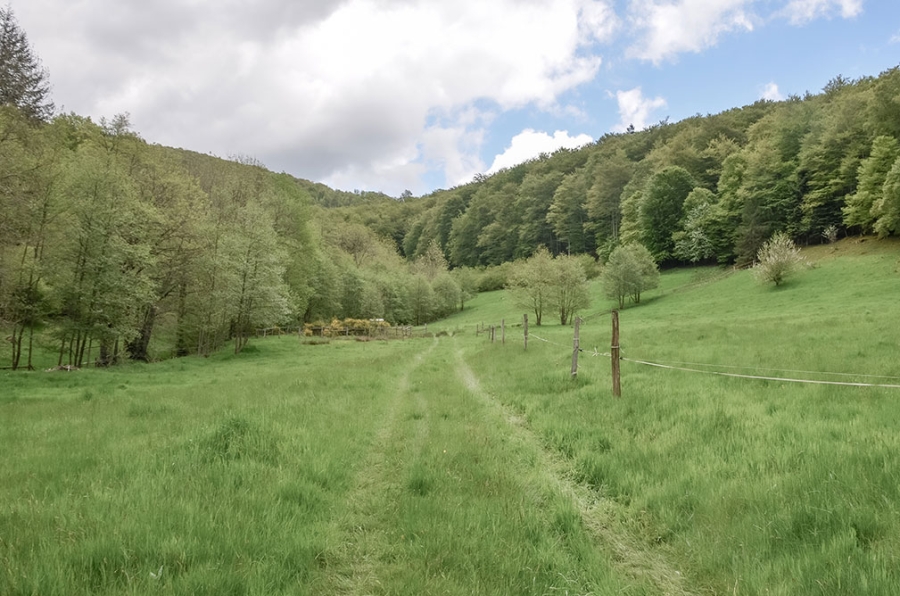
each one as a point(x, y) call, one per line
point(707, 189)
point(109, 244)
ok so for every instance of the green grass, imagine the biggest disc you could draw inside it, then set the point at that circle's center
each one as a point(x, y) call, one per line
point(344, 468)
point(748, 486)
point(456, 466)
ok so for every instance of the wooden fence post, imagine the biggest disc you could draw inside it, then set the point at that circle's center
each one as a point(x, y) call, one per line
point(575, 348)
point(525, 323)
point(503, 331)
point(492, 334)
point(614, 355)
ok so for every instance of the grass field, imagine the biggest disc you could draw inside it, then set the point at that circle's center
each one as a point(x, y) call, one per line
point(456, 466)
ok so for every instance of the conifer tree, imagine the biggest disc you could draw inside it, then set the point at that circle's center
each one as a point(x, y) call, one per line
point(23, 81)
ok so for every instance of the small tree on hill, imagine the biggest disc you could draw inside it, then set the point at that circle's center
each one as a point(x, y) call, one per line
point(530, 281)
point(630, 271)
point(568, 287)
point(777, 259)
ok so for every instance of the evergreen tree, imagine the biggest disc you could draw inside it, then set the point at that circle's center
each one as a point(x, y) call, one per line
point(23, 81)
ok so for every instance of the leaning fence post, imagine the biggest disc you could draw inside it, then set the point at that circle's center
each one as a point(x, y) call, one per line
point(525, 324)
point(614, 355)
point(575, 348)
point(503, 331)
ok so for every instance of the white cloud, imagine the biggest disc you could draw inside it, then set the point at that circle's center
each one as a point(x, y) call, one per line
point(635, 109)
point(530, 143)
point(360, 93)
point(799, 12)
point(894, 38)
point(666, 28)
point(770, 92)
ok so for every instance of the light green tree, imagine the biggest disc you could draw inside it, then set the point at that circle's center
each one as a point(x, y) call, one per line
point(446, 295)
point(692, 241)
point(529, 283)
point(568, 290)
point(629, 272)
point(887, 208)
point(467, 280)
point(777, 259)
point(859, 210)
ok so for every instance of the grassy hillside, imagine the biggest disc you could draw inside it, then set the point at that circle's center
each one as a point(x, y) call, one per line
point(455, 466)
point(747, 486)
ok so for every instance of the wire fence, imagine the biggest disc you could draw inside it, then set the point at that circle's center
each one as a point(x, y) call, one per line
point(710, 369)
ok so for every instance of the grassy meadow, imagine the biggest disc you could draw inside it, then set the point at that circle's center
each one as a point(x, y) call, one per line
point(455, 466)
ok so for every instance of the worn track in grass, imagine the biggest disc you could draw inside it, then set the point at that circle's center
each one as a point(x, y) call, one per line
point(598, 514)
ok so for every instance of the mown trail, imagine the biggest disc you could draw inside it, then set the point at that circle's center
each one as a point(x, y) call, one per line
point(353, 568)
point(598, 515)
point(456, 496)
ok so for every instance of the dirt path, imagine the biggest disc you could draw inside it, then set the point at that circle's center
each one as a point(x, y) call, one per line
point(599, 515)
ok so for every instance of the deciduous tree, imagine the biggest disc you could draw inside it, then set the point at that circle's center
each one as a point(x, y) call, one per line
point(629, 272)
point(777, 259)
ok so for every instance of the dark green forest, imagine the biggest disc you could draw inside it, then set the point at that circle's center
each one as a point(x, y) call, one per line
point(113, 247)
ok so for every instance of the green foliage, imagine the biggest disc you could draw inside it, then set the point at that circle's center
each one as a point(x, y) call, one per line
point(112, 245)
point(629, 272)
point(568, 291)
point(543, 283)
point(568, 215)
point(693, 242)
point(23, 82)
point(777, 259)
point(859, 210)
point(335, 482)
point(530, 281)
point(887, 208)
point(446, 295)
point(661, 209)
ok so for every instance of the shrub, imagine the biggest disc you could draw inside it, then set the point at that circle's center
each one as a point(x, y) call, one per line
point(777, 259)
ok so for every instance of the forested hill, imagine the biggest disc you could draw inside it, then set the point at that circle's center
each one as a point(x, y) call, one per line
point(708, 188)
point(113, 245)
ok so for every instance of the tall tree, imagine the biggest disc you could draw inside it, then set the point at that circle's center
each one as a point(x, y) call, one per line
point(610, 176)
point(568, 214)
point(887, 208)
point(23, 81)
point(661, 209)
point(872, 173)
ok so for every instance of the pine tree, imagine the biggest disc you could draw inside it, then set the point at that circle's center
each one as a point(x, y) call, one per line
point(23, 81)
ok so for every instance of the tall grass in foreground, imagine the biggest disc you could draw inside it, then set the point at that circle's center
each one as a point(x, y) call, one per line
point(347, 468)
point(751, 487)
point(188, 477)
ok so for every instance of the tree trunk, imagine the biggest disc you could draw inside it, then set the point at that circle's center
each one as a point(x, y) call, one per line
point(181, 340)
point(17, 345)
point(30, 347)
point(138, 347)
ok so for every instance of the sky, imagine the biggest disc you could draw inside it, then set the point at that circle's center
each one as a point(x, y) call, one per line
point(395, 95)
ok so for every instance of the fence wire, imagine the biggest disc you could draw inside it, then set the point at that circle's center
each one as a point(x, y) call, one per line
point(686, 367)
